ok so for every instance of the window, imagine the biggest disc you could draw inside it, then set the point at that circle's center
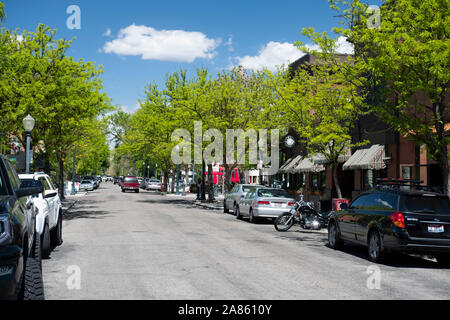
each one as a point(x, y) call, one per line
point(358, 203)
point(44, 183)
point(278, 193)
point(15, 181)
point(318, 180)
point(3, 188)
point(425, 204)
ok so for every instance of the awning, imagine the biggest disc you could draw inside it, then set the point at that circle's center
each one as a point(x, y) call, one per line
point(287, 168)
point(281, 170)
point(310, 164)
point(371, 158)
point(319, 158)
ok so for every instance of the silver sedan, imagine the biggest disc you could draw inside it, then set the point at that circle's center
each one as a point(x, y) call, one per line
point(234, 196)
point(263, 202)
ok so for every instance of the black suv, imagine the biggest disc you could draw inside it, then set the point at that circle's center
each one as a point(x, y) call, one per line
point(396, 216)
point(20, 253)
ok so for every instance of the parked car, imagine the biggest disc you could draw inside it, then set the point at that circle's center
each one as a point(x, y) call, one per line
point(20, 252)
point(48, 210)
point(86, 185)
point(232, 198)
point(93, 179)
point(263, 202)
point(392, 219)
point(130, 183)
point(154, 184)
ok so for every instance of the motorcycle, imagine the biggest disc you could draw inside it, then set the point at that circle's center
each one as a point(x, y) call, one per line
point(302, 213)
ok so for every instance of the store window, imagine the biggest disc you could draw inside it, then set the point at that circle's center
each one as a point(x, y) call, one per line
point(318, 180)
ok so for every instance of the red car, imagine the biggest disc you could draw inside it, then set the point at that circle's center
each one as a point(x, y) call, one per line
point(130, 183)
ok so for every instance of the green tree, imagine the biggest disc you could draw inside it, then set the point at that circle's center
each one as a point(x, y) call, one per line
point(63, 95)
point(321, 103)
point(407, 56)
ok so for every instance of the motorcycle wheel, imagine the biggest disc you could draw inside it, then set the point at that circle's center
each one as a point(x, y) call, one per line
point(284, 222)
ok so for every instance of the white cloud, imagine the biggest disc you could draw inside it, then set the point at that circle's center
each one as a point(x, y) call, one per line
point(229, 44)
point(342, 46)
point(275, 54)
point(164, 45)
point(108, 33)
point(270, 56)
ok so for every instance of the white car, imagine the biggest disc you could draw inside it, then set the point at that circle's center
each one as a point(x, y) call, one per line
point(48, 209)
point(86, 185)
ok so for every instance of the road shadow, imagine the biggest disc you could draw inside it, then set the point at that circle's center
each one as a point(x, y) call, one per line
point(396, 260)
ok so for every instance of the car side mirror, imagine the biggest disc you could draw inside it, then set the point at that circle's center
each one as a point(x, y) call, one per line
point(24, 192)
point(49, 194)
point(343, 206)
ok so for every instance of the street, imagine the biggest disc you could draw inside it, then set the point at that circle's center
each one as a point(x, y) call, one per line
point(151, 246)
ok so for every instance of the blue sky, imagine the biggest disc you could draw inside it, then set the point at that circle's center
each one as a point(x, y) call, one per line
point(211, 34)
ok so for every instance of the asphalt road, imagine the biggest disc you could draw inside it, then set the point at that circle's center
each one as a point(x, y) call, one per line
point(150, 246)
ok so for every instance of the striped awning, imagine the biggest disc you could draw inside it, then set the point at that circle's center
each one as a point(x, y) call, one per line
point(310, 164)
point(371, 159)
point(288, 168)
point(281, 170)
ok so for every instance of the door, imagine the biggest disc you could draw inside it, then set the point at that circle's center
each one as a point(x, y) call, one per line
point(347, 217)
point(54, 203)
point(246, 201)
point(376, 209)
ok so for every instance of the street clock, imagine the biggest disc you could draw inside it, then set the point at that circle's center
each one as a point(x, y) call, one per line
point(289, 141)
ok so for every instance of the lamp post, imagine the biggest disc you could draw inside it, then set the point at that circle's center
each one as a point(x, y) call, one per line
point(28, 124)
point(156, 171)
point(143, 170)
point(73, 192)
point(176, 174)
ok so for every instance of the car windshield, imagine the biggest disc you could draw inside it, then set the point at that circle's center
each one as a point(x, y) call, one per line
point(426, 204)
point(277, 193)
point(131, 180)
point(247, 188)
point(86, 182)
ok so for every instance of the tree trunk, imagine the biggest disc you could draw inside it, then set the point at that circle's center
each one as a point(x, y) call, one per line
point(61, 178)
point(336, 182)
point(444, 170)
point(210, 184)
point(227, 178)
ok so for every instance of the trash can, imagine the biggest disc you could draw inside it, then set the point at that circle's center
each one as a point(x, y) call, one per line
point(336, 203)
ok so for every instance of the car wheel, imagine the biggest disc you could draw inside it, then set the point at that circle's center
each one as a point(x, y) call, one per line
point(225, 209)
point(37, 251)
point(251, 217)
point(136, 191)
point(46, 243)
point(443, 259)
point(375, 247)
point(56, 233)
point(237, 212)
point(123, 190)
point(33, 287)
point(334, 240)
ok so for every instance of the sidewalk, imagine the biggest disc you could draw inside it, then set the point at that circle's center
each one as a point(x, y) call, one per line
point(70, 201)
point(216, 205)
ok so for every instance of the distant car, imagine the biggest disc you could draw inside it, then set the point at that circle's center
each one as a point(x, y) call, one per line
point(87, 185)
point(154, 184)
point(234, 196)
point(48, 209)
point(263, 202)
point(391, 219)
point(130, 183)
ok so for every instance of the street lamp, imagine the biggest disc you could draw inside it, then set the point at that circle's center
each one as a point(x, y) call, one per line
point(143, 170)
point(177, 172)
point(73, 192)
point(156, 171)
point(28, 124)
